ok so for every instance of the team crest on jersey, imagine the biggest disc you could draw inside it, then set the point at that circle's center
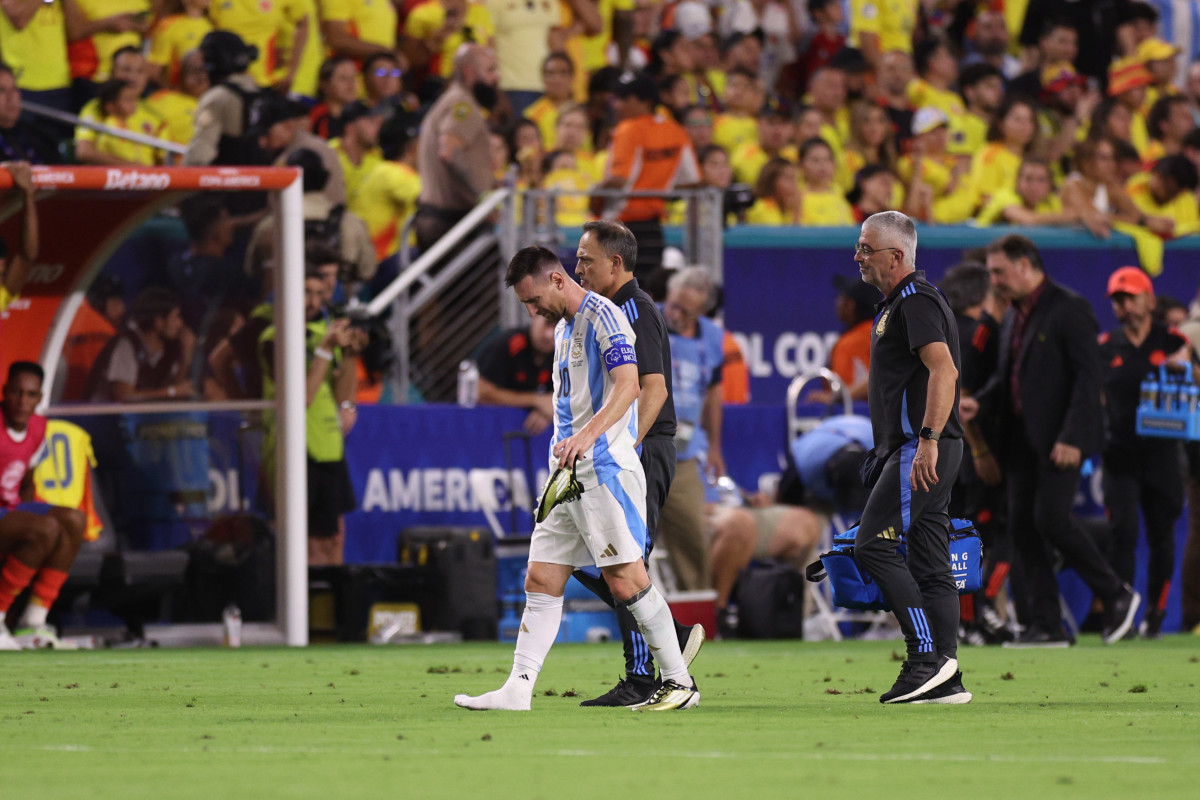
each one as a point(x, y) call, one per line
point(577, 349)
point(882, 323)
point(460, 111)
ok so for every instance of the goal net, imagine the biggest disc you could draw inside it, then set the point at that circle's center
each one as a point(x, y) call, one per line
point(179, 465)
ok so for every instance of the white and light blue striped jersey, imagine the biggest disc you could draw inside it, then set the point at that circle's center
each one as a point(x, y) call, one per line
point(586, 348)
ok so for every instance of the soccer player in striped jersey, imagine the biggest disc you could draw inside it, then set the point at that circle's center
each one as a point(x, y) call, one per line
point(595, 429)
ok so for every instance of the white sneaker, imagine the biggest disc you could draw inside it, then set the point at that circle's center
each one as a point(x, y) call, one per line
point(671, 696)
point(41, 637)
point(7, 642)
point(693, 644)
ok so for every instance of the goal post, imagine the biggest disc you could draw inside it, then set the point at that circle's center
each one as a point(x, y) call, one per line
point(85, 214)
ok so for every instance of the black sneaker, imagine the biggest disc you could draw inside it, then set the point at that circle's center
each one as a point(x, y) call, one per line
point(992, 625)
point(918, 677)
point(1121, 614)
point(1037, 636)
point(950, 693)
point(1151, 627)
point(627, 692)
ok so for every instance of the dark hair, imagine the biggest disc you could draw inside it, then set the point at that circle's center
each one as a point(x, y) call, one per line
point(1160, 111)
point(331, 64)
point(1015, 247)
point(664, 41)
point(1099, 121)
point(548, 159)
point(152, 304)
point(708, 150)
point(1010, 102)
point(1125, 151)
point(978, 72)
point(764, 187)
point(371, 60)
point(854, 196)
point(1164, 303)
point(318, 254)
point(18, 368)
point(559, 55)
point(814, 142)
point(200, 212)
point(1192, 139)
point(397, 133)
point(923, 53)
point(965, 285)
point(510, 136)
point(533, 260)
point(816, 5)
point(316, 176)
point(110, 91)
point(1054, 23)
point(124, 51)
point(615, 240)
point(1037, 161)
point(745, 73)
point(7, 70)
point(1179, 169)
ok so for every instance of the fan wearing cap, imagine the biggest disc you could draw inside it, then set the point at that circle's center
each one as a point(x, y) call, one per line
point(875, 189)
point(358, 146)
point(222, 113)
point(1128, 80)
point(1166, 197)
point(1067, 107)
point(388, 194)
point(774, 141)
point(1159, 58)
point(937, 188)
point(1140, 472)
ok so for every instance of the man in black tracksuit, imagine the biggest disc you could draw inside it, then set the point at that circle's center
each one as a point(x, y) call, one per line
point(1139, 471)
point(913, 398)
point(606, 257)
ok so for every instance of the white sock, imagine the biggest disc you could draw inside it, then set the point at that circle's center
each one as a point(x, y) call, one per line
point(34, 616)
point(539, 627)
point(654, 618)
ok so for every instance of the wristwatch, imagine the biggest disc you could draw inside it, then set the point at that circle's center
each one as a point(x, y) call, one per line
point(930, 434)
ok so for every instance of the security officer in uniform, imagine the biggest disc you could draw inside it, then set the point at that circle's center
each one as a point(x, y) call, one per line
point(454, 162)
point(913, 397)
point(454, 152)
point(222, 113)
point(606, 257)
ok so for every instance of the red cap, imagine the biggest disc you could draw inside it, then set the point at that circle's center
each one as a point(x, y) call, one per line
point(1130, 280)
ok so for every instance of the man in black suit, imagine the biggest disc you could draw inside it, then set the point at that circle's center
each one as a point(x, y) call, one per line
point(1046, 391)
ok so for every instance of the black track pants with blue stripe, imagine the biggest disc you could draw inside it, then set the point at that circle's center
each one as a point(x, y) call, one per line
point(921, 590)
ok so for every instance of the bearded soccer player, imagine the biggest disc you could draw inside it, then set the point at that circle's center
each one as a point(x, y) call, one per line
point(593, 511)
point(38, 542)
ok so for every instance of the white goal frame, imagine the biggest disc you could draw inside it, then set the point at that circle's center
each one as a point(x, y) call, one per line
point(290, 626)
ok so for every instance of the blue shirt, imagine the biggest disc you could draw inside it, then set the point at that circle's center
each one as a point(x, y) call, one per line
point(695, 367)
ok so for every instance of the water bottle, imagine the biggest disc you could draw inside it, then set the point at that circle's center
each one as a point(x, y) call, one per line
point(1150, 389)
point(1167, 390)
point(468, 384)
point(232, 620)
point(1147, 394)
point(1193, 398)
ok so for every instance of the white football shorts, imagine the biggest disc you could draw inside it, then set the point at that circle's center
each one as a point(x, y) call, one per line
point(606, 526)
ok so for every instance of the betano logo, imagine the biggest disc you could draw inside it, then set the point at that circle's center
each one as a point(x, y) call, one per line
point(121, 180)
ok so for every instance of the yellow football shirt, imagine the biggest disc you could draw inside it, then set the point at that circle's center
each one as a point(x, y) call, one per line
point(6, 297)
point(731, 132)
point(825, 208)
point(426, 19)
point(993, 168)
point(892, 21)
point(144, 120)
point(992, 213)
point(177, 111)
point(371, 21)
point(172, 37)
point(355, 173)
point(765, 211)
point(545, 114)
point(307, 71)
point(1181, 208)
point(385, 199)
point(37, 54)
point(258, 22)
point(106, 43)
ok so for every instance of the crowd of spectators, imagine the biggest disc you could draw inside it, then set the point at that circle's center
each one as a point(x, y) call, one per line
point(821, 112)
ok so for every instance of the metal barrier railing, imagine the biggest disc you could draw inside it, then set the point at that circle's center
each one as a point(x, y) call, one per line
point(170, 148)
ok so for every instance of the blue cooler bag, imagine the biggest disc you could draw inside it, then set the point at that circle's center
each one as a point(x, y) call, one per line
point(853, 588)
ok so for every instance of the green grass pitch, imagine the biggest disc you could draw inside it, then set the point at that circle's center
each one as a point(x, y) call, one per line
point(777, 719)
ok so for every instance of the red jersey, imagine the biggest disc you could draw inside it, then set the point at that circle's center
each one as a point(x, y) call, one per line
point(19, 457)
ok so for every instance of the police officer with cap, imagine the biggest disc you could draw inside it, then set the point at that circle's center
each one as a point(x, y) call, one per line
point(223, 112)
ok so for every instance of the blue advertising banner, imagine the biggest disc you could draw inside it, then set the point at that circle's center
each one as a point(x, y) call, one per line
point(779, 295)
